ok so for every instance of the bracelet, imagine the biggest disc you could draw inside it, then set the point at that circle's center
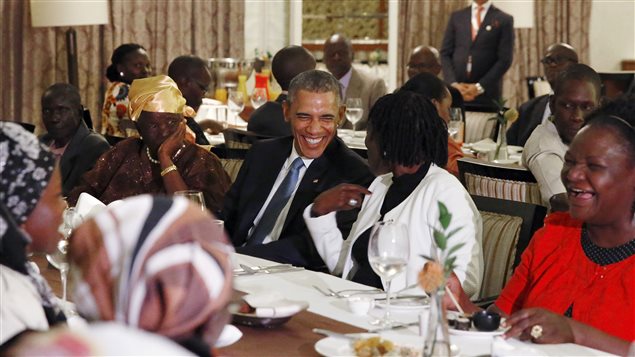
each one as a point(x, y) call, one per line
point(480, 89)
point(168, 169)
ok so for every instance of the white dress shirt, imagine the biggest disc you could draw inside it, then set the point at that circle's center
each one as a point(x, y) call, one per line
point(543, 155)
point(344, 82)
point(277, 228)
point(485, 7)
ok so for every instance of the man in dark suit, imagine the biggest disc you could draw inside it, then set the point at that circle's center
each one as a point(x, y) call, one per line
point(558, 58)
point(67, 135)
point(193, 79)
point(286, 64)
point(281, 177)
point(477, 50)
point(426, 59)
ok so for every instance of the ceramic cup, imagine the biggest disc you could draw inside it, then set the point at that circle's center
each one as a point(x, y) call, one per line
point(360, 305)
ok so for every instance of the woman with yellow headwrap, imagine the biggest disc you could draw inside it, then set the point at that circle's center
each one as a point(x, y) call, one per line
point(161, 160)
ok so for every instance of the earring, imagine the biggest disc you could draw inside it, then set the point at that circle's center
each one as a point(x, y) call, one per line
point(121, 74)
point(140, 137)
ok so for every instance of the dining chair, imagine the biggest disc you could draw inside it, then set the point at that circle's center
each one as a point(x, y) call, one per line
point(241, 139)
point(507, 229)
point(231, 158)
point(478, 126)
point(504, 181)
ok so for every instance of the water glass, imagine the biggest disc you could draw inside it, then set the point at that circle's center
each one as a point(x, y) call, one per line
point(258, 97)
point(194, 196)
point(455, 126)
point(236, 104)
point(388, 252)
point(354, 111)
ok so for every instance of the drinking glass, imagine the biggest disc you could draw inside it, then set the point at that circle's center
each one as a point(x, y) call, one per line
point(354, 111)
point(258, 97)
point(59, 258)
point(194, 196)
point(388, 251)
point(455, 126)
point(236, 104)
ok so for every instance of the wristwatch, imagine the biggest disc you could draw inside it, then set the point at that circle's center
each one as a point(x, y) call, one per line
point(479, 88)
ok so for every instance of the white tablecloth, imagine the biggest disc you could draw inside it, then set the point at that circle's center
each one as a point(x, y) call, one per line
point(298, 285)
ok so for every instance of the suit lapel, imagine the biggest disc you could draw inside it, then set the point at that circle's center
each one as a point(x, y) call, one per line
point(486, 21)
point(73, 149)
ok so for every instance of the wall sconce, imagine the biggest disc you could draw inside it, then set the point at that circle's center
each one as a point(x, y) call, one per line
point(51, 13)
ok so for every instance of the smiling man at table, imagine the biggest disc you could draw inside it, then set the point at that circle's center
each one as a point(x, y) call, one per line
point(280, 177)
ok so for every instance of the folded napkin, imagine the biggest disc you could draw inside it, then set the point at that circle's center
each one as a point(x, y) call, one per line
point(88, 206)
point(513, 347)
point(272, 304)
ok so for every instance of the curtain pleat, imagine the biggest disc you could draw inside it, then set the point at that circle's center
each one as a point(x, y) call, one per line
point(34, 58)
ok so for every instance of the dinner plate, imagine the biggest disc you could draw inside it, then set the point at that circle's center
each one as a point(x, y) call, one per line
point(473, 332)
point(335, 347)
point(405, 302)
point(255, 321)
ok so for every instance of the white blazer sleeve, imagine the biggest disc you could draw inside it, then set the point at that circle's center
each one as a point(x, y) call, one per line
point(326, 237)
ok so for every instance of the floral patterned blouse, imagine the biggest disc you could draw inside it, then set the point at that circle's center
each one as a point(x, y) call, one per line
point(115, 120)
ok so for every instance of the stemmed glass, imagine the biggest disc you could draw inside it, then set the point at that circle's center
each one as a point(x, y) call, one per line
point(388, 251)
point(236, 103)
point(258, 97)
point(194, 196)
point(455, 126)
point(354, 111)
point(59, 258)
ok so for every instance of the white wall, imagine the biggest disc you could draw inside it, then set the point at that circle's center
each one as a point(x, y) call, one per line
point(612, 34)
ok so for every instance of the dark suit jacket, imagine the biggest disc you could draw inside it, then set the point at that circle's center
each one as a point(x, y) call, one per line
point(269, 120)
point(80, 155)
point(491, 51)
point(529, 117)
point(247, 195)
point(198, 131)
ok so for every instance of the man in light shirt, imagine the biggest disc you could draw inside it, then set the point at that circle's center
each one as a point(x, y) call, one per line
point(576, 95)
point(280, 177)
point(558, 58)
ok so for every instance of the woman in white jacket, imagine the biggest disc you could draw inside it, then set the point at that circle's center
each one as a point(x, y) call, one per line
point(406, 138)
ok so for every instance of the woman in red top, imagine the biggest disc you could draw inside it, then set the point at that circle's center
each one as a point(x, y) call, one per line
point(576, 280)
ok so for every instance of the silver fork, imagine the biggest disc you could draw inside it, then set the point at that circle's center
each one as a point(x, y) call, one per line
point(324, 292)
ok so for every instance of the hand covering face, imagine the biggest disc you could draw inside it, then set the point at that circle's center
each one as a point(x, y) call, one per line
point(156, 263)
point(158, 94)
point(26, 167)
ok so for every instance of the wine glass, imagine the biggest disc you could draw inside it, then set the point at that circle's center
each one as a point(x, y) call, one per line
point(236, 103)
point(455, 126)
point(59, 259)
point(354, 111)
point(388, 251)
point(258, 97)
point(194, 196)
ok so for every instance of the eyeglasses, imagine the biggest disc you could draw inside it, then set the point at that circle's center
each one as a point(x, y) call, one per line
point(554, 60)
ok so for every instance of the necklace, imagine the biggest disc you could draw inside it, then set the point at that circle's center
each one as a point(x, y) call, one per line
point(152, 160)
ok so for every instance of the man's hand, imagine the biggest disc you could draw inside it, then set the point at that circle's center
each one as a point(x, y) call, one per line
point(339, 198)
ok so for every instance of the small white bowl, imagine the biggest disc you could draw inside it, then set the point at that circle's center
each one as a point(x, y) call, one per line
point(360, 305)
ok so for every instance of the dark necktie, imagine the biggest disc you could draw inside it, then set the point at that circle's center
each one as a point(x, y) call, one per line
point(278, 201)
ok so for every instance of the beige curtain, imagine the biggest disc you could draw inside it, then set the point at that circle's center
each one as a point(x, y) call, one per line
point(34, 58)
point(423, 22)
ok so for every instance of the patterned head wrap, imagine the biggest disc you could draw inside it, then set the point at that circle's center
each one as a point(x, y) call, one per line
point(156, 263)
point(25, 169)
point(158, 94)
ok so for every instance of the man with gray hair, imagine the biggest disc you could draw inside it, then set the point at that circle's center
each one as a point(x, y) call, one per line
point(281, 177)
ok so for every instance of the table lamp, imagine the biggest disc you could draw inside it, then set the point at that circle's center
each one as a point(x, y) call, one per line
point(50, 13)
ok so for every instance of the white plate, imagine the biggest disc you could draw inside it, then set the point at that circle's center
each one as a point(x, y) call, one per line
point(513, 149)
point(334, 347)
point(405, 303)
point(507, 161)
point(473, 332)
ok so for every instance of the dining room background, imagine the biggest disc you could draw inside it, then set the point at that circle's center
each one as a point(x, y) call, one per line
point(33, 58)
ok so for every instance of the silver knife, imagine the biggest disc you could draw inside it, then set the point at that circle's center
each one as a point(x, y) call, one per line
point(330, 333)
point(393, 326)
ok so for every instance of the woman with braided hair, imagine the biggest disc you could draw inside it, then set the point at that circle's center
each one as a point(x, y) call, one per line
point(407, 139)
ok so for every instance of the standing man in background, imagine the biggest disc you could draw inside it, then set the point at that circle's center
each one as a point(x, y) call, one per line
point(338, 58)
point(477, 50)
